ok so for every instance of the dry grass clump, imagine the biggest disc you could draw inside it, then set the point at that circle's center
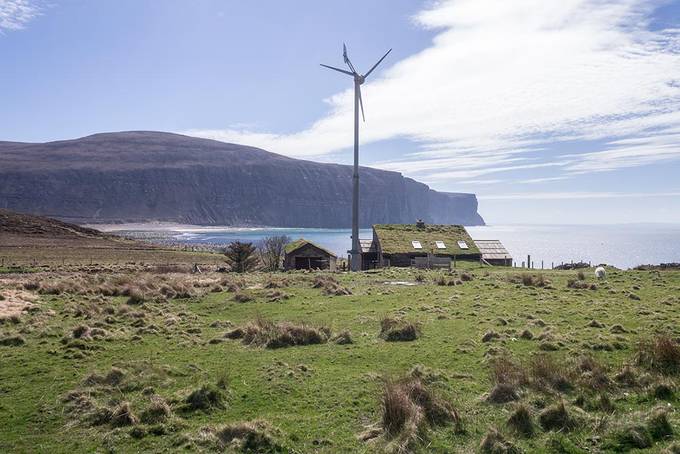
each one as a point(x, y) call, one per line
point(521, 422)
point(495, 443)
point(557, 418)
point(241, 297)
point(507, 377)
point(398, 330)
point(529, 280)
point(580, 284)
point(642, 433)
point(593, 374)
point(330, 285)
point(344, 337)
point(122, 415)
point(157, 412)
point(408, 408)
point(114, 377)
point(660, 354)
point(546, 373)
point(252, 437)
point(276, 283)
point(205, 398)
point(268, 334)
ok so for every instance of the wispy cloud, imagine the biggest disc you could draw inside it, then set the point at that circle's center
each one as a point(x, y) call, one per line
point(502, 78)
point(14, 14)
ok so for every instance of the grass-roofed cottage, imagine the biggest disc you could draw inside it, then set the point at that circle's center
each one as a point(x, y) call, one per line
point(422, 245)
point(305, 255)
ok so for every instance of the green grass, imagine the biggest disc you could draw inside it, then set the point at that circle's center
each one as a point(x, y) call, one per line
point(318, 398)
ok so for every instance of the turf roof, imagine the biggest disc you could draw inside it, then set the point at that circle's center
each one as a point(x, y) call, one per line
point(397, 238)
point(297, 244)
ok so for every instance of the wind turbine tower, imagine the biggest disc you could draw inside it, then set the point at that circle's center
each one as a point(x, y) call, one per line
point(359, 79)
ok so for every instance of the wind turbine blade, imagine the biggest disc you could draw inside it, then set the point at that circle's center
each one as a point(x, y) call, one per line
point(361, 103)
point(376, 65)
point(338, 69)
point(346, 58)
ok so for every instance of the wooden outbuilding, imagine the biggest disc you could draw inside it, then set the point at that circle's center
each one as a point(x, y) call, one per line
point(494, 253)
point(422, 245)
point(305, 255)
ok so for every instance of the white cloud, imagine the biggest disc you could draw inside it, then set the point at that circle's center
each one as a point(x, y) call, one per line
point(14, 14)
point(505, 77)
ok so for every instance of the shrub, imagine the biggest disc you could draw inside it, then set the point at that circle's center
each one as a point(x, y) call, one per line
point(397, 330)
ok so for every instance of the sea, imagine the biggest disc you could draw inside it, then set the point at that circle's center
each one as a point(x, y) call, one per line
point(623, 246)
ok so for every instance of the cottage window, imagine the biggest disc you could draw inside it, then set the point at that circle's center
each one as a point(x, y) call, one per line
point(416, 244)
point(440, 244)
point(462, 245)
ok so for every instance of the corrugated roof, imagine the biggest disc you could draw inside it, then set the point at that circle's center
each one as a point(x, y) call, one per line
point(492, 250)
point(367, 245)
point(399, 238)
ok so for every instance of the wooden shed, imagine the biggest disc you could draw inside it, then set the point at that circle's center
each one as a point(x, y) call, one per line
point(494, 253)
point(422, 245)
point(305, 255)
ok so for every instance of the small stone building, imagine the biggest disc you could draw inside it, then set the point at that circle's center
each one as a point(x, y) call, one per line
point(422, 245)
point(305, 255)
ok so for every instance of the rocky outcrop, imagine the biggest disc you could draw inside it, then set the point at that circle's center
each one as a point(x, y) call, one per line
point(153, 176)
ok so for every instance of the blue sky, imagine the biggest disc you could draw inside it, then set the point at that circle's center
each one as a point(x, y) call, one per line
point(552, 111)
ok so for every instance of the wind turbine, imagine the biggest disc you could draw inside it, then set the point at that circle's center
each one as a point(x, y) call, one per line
point(359, 79)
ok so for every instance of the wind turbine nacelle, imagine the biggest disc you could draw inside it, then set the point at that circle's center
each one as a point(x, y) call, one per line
point(358, 78)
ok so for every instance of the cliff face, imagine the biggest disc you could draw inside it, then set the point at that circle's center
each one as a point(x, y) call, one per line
point(152, 176)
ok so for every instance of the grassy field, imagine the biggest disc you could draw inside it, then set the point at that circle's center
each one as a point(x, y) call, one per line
point(150, 362)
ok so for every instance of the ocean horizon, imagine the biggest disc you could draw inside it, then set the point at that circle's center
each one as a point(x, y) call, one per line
point(620, 245)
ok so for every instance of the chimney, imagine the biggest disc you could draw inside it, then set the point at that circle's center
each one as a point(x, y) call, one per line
point(420, 224)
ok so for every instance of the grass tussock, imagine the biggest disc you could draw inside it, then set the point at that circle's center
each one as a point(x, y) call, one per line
point(642, 433)
point(521, 421)
point(205, 398)
point(556, 417)
point(495, 443)
point(660, 354)
point(409, 407)
point(158, 411)
point(398, 330)
point(268, 334)
point(14, 340)
point(530, 280)
point(248, 437)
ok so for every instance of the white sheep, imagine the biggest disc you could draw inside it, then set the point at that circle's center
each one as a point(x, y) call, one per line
point(600, 272)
